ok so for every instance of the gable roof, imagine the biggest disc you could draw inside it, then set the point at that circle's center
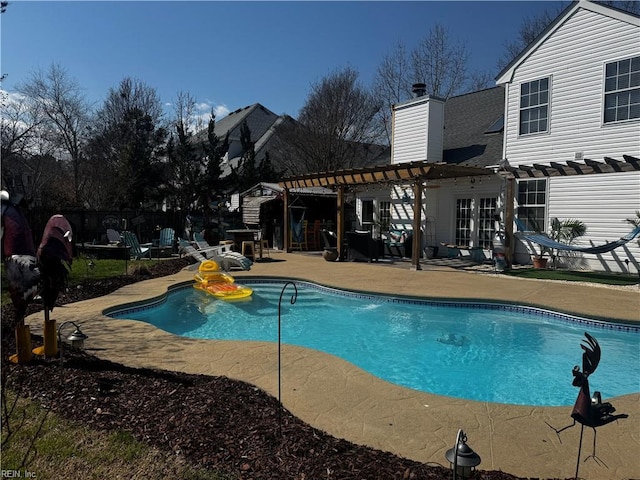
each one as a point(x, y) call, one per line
point(258, 124)
point(473, 132)
point(506, 74)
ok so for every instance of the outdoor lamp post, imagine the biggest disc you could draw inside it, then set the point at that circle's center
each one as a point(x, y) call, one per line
point(77, 338)
point(462, 458)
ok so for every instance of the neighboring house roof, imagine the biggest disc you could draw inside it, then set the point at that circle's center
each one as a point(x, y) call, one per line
point(473, 128)
point(258, 124)
point(506, 74)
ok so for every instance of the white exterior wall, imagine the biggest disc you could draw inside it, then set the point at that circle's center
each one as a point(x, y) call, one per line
point(602, 202)
point(418, 133)
point(574, 57)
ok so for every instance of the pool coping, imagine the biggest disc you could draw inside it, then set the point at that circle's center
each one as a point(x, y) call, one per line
point(339, 398)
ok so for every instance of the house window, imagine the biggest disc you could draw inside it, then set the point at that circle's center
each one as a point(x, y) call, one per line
point(367, 212)
point(622, 90)
point(385, 215)
point(463, 221)
point(486, 223)
point(532, 199)
point(534, 106)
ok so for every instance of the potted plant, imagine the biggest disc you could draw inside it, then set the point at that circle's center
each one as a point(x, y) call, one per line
point(562, 231)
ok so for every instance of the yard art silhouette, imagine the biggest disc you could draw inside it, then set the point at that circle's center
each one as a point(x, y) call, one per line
point(589, 411)
point(29, 272)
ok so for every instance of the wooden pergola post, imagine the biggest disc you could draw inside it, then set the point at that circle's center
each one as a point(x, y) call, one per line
point(417, 224)
point(340, 222)
point(286, 244)
point(509, 199)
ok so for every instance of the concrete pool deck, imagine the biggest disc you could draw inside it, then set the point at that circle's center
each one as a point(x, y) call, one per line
point(343, 400)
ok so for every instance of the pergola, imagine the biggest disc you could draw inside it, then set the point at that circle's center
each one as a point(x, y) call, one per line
point(582, 167)
point(413, 173)
point(418, 173)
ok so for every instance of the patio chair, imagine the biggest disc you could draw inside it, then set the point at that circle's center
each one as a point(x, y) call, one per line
point(164, 244)
point(167, 236)
point(137, 250)
point(113, 236)
point(222, 254)
point(186, 248)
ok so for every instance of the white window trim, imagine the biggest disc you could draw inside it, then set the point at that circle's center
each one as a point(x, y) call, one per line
point(519, 91)
point(604, 94)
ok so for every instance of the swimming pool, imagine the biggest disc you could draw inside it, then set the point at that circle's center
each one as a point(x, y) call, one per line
point(486, 352)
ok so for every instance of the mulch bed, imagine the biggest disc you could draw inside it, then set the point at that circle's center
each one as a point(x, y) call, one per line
point(213, 422)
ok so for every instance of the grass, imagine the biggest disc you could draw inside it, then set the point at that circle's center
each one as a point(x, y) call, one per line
point(576, 276)
point(36, 441)
point(84, 267)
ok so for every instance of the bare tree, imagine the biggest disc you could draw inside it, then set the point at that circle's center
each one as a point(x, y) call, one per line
point(531, 27)
point(392, 84)
point(66, 114)
point(130, 95)
point(437, 61)
point(529, 30)
point(440, 63)
point(186, 162)
point(334, 128)
point(19, 125)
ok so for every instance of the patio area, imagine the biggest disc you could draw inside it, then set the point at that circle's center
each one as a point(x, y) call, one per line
point(341, 399)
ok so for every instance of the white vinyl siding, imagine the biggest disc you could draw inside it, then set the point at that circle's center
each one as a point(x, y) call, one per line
point(602, 202)
point(575, 57)
point(418, 133)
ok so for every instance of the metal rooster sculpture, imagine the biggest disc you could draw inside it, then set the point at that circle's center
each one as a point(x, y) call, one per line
point(30, 273)
point(589, 411)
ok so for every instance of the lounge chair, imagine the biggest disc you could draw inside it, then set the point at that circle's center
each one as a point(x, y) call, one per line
point(164, 245)
point(136, 250)
point(222, 254)
point(167, 236)
point(113, 236)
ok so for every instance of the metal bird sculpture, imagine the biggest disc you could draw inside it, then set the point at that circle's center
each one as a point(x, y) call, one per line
point(587, 410)
point(31, 272)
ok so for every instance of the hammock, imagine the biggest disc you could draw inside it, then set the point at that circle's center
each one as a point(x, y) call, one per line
point(297, 227)
point(545, 241)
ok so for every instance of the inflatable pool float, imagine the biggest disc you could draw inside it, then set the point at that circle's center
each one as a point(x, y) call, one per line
point(211, 280)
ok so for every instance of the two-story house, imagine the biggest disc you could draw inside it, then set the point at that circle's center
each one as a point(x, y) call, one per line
point(572, 129)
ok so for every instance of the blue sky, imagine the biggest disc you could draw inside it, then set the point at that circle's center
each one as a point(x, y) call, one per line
point(232, 54)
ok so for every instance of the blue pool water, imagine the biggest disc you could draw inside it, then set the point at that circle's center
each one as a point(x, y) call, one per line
point(484, 352)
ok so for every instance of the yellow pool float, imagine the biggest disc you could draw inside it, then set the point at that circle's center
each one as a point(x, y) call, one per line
point(211, 280)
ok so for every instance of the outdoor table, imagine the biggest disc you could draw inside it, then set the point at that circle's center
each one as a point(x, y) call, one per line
point(244, 235)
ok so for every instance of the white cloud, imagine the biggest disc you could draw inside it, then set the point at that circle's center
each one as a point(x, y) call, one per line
point(10, 97)
point(221, 111)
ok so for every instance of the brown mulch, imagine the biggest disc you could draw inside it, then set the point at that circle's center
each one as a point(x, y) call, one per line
point(213, 422)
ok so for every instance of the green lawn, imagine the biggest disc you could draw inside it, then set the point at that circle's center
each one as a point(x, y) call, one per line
point(90, 268)
point(575, 276)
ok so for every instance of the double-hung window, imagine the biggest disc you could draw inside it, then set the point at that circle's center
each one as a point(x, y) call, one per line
point(534, 106)
point(622, 90)
point(532, 200)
